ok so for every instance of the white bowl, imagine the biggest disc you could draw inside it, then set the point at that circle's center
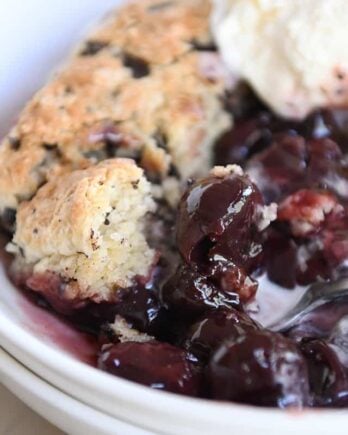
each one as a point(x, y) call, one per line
point(66, 413)
point(28, 333)
point(37, 37)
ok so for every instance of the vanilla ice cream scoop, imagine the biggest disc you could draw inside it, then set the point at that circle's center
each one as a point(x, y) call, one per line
point(294, 53)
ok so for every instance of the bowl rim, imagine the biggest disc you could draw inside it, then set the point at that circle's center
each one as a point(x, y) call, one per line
point(98, 389)
point(75, 378)
point(52, 404)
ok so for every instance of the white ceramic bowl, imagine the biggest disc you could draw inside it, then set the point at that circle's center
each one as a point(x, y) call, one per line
point(34, 39)
point(63, 411)
point(30, 334)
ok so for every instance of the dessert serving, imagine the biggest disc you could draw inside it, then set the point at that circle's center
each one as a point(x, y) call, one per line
point(184, 169)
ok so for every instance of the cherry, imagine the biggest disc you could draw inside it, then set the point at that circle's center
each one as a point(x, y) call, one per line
point(292, 163)
point(331, 123)
point(217, 230)
point(210, 331)
point(139, 304)
point(280, 169)
point(255, 127)
point(188, 292)
point(247, 137)
point(259, 368)
point(328, 377)
point(309, 241)
point(306, 211)
point(281, 258)
point(158, 365)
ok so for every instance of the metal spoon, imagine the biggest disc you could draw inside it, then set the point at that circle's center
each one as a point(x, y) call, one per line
point(316, 295)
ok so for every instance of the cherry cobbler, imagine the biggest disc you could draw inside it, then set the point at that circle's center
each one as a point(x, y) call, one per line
point(152, 196)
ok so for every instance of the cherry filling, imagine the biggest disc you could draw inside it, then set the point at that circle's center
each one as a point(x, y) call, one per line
point(219, 239)
point(260, 368)
point(310, 237)
point(255, 127)
point(328, 376)
point(302, 166)
point(158, 365)
point(291, 162)
point(138, 304)
point(190, 293)
point(211, 330)
point(201, 341)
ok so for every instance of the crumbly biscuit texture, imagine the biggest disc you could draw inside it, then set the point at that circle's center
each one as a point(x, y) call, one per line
point(145, 85)
point(158, 31)
point(88, 227)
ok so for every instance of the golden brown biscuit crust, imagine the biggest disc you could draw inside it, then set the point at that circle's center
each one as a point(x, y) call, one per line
point(88, 227)
point(138, 87)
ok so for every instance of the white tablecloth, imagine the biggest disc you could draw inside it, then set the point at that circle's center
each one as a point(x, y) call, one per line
point(17, 419)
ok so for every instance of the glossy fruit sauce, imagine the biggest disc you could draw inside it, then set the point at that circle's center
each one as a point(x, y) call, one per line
point(197, 335)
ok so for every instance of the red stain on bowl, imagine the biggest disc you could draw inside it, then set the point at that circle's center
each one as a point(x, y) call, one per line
point(48, 326)
point(58, 332)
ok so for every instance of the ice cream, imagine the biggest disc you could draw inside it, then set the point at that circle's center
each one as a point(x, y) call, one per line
point(294, 53)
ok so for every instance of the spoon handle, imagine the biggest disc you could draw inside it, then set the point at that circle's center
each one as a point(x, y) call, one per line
point(316, 295)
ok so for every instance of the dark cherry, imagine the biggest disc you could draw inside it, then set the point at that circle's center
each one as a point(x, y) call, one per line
point(327, 167)
point(246, 138)
point(307, 211)
point(139, 304)
point(292, 163)
point(334, 239)
point(328, 376)
point(259, 368)
point(141, 307)
point(280, 169)
point(255, 127)
point(158, 365)
point(331, 123)
point(308, 242)
point(217, 231)
point(211, 211)
point(214, 328)
point(292, 261)
point(281, 258)
point(315, 268)
point(189, 293)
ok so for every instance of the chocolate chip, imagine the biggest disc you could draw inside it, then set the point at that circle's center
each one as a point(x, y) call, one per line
point(68, 89)
point(173, 172)
point(15, 143)
point(139, 67)
point(95, 155)
point(9, 218)
point(53, 149)
point(201, 46)
point(160, 6)
point(135, 184)
point(49, 146)
point(93, 47)
point(161, 139)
